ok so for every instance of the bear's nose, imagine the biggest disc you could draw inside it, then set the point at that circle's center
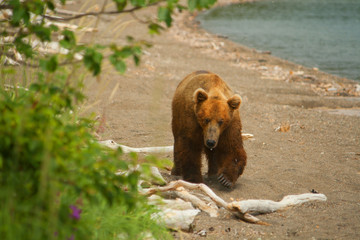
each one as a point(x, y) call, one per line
point(210, 143)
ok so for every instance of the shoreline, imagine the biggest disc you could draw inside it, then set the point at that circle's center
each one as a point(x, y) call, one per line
point(188, 29)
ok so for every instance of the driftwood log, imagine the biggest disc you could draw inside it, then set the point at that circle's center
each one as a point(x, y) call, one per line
point(178, 217)
point(241, 209)
point(164, 149)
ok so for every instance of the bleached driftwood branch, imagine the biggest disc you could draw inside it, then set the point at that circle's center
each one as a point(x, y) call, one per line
point(241, 209)
point(197, 202)
point(157, 178)
point(113, 145)
point(269, 206)
point(177, 214)
point(164, 149)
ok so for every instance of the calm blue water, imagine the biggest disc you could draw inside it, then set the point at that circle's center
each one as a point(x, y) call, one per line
point(315, 33)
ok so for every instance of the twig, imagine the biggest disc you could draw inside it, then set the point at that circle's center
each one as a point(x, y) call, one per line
point(139, 19)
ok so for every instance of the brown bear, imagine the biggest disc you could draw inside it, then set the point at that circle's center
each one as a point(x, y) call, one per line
point(206, 119)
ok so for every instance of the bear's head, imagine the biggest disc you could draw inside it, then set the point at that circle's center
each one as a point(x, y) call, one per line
point(214, 113)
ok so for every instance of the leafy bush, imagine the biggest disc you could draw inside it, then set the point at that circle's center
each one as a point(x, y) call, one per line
point(56, 182)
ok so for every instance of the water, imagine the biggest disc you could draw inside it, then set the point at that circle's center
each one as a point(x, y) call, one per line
point(315, 33)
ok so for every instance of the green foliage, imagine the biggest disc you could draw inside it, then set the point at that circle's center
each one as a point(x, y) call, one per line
point(56, 182)
point(200, 4)
point(164, 14)
point(93, 60)
point(50, 64)
point(119, 55)
point(69, 40)
point(29, 18)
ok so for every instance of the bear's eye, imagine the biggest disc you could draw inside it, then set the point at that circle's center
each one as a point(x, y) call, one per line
point(235, 160)
point(221, 122)
point(207, 120)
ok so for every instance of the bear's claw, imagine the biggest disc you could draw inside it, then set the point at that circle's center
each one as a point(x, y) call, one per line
point(224, 181)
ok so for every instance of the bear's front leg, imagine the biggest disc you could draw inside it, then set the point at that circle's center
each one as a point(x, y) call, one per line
point(177, 168)
point(187, 160)
point(212, 164)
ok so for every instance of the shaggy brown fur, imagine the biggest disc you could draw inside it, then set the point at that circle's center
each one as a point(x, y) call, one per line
point(205, 118)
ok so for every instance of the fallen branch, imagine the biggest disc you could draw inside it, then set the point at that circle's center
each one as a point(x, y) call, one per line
point(241, 209)
point(197, 202)
point(164, 149)
point(269, 206)
point(156, 177)
point(113, 145)
point(173, 186)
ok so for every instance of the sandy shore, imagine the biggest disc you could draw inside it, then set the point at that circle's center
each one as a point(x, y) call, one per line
point(316, 150)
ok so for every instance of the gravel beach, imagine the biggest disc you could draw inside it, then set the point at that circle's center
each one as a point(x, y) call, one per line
point(306, 125)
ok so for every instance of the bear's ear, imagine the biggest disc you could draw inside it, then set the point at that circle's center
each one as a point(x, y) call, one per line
point(200, 95)
point(234, 102)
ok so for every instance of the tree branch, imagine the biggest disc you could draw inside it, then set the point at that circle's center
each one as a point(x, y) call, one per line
point(77, 16)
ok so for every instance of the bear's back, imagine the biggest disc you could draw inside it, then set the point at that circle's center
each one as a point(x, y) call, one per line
point(208, 81)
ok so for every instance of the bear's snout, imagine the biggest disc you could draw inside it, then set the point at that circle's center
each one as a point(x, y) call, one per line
point(210, 143)
point(211, 136)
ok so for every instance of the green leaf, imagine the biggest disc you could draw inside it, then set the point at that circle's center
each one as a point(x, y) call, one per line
point(50, 5)
point(69, 40)
point(192, 4)
point(35, 6)
point(164, 15)
point(200, 4)
point(14, 3)
point(137, 50)
point(155, 28)
point(120, 66)
point(20, 13)
point(43, 33)
point(138, 3)
point(171, 2)
point(54, 28)
point(92, 60)
point(136, 60)
point(49, 65)
point(125, 52)
point(120, 4)
point(23, 47)
point(117, 62)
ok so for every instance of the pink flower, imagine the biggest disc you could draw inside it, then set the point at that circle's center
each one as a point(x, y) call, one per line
point(75, 212)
